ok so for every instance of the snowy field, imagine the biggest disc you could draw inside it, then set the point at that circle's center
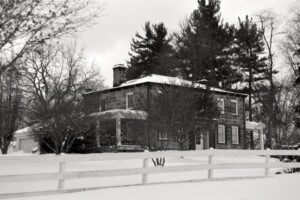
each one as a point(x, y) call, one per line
point(279, 187)
point(276, 187)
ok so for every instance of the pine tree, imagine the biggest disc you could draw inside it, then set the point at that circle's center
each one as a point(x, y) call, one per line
point(204, 47)
point(249, 57)
point(150, 54)
point(250, 49)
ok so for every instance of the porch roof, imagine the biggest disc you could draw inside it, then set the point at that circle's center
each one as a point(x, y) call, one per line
point(254, 126)
point(121, 113)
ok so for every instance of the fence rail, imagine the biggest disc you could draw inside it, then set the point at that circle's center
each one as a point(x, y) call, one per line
point(63, 175)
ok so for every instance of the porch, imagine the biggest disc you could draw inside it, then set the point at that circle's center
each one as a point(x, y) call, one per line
point(115, 123)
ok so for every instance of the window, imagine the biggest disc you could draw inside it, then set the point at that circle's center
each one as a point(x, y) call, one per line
point(102, 105)
point(162, 135)
point(221, 134)
point(198, 139)
point(221, 105)
point(234, 107)
point(129, 100)
point(235, 134)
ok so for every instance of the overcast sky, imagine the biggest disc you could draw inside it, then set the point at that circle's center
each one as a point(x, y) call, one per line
point(108, 42)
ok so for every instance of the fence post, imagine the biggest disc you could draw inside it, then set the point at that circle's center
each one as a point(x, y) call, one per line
point(145, 175)
point(267, 169)
point(62, 169)
point(210, 162)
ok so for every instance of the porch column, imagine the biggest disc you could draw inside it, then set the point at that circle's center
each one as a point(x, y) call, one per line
point(98, 133)
point(261, 138)
point(118, 129)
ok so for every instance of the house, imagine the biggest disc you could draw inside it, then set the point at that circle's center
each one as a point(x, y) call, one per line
point(121, 107)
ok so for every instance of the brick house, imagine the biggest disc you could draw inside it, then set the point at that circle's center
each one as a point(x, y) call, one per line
point(121, 106)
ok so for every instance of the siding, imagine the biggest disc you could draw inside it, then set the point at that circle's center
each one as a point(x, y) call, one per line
point(228, 120)
point(116, 99)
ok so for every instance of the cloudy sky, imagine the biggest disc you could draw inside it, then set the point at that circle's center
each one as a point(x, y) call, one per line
point(108, 42)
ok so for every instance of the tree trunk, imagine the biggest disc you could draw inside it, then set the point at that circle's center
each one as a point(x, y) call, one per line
point(250, 106)
point(4, 150)
point(57, 149)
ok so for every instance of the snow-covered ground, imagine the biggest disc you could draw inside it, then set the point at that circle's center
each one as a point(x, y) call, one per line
point(274, 188)
point(277, 187)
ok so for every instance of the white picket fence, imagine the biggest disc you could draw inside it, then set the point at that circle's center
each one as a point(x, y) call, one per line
point(145, 171)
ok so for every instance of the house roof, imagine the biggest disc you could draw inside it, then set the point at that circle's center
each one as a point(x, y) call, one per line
point(160, 79)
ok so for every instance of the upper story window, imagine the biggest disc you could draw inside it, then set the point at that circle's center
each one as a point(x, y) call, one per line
point(235, 134)
point(221, 105)
point(234, 107)
point(221, 134)
point(102, 105)
point(129, 100)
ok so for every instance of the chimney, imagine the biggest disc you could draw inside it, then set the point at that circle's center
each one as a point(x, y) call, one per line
point(119, 74)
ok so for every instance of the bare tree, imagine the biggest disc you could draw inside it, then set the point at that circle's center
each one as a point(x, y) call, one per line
point(55, 81)
point(28, 23)
point(269, 24)
point(174, 114)
point(176, 111)
point(10, 107)
point(291, 50)
point(286, 132)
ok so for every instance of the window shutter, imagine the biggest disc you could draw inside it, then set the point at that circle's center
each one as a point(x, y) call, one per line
point(221, 105)
point(235, 134)
point(221, 134)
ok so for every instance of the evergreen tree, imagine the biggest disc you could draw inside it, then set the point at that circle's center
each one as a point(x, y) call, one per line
point(204, 47)
point(151, 54)
point(249, 57)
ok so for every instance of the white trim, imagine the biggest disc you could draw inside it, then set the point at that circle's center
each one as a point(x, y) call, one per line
point(221, 105)
point(128, 94)
point(237, 136)
point(236, 107)
point(224, 134)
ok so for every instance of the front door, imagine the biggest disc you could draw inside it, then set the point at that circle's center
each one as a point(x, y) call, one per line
point(199, 140)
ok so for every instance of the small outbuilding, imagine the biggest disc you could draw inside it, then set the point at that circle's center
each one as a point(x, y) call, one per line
point(23, 141)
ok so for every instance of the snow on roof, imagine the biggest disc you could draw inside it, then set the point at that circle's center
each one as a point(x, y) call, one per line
point(119, 65)
point(27, 130)
point(23, 131)
point(254, 125)
point(160, 79)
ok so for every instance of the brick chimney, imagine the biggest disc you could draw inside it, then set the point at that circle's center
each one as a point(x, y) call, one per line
point(119, 74)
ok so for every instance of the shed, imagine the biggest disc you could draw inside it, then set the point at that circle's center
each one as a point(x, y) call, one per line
point(23, 141)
